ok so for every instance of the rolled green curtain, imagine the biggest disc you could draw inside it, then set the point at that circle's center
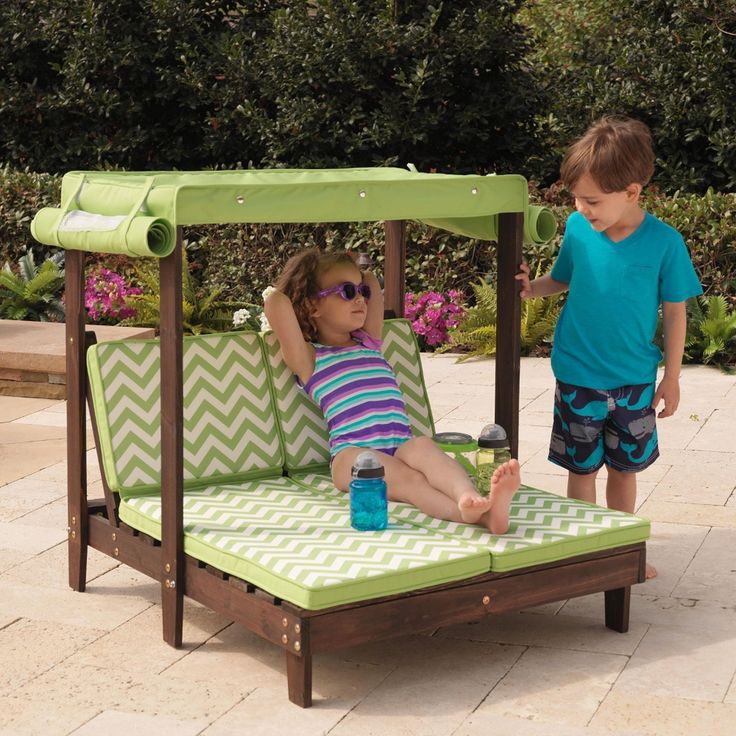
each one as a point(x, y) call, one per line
point(138, 236)
point(540, 225)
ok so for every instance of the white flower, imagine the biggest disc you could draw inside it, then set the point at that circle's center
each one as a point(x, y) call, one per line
point(268, 290)
point(240, 317)
point(265, 327)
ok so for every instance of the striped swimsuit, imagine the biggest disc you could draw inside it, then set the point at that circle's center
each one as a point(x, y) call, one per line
point(356, 390)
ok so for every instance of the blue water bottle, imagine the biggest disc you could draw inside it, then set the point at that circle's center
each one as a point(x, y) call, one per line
point(368, 504)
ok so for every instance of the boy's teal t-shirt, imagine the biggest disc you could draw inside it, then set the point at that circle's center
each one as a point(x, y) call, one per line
point(604, 336)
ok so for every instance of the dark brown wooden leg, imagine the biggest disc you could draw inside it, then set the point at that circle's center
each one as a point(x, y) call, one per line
point(394, 267)
point(617, 608)
point(299, 677)
point(508, 330)
point(76, 435)
point(172, 446)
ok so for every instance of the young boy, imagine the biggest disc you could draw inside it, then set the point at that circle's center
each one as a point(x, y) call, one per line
point(619, 264)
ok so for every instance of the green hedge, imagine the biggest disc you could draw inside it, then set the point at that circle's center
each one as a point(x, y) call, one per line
point(193, 84)
point(671, 63)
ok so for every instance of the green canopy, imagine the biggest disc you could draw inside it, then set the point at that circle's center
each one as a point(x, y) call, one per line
point(136, 213)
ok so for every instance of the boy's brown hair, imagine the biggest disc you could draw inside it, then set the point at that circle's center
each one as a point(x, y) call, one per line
point(615, 151)
point(300, 282)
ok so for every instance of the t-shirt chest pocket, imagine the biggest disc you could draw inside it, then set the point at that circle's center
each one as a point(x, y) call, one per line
point(638, 282)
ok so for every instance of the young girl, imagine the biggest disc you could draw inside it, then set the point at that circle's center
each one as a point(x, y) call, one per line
point(328, 317)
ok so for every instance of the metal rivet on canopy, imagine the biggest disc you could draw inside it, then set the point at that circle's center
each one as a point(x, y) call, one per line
point(474, 190)
point(362, 193)
point(240, 199)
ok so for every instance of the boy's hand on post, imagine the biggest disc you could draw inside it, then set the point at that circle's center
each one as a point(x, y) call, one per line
point(669, 391)
point(525, 292)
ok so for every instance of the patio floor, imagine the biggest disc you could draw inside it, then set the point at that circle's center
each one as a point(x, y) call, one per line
point(95, 663)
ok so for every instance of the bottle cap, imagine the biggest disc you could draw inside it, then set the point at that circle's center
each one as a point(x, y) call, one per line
point(367, 465)
point(493, 436)
point(452, 438)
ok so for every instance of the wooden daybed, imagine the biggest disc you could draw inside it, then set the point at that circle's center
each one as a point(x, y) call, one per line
point(165, 479)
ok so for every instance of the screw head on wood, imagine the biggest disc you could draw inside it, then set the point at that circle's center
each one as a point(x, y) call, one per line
point(486, 600)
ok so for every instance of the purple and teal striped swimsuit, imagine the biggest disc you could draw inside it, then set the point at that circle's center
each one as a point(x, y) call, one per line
point(356, 390)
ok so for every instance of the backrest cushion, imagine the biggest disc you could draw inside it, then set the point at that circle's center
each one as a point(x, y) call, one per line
point(302, 425)
point(230, 431)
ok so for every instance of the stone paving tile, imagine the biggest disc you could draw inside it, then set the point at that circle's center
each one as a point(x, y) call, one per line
point(14, 407)
point(20, 497)
point(49, 568)
point(661, 610)
point(653, 715)
point(28, 538)
point(339, 684)
point(137, 646)
point(717, 432)
point(120, 723)
point(688, 513)
point(487, 724)
point(568, 632)
point(66, 606)
point(70, 695)
point(431, 689)
point(53, 515)
point(560, 686)
point(32, 647)
point(9, 558)
point(708, 483)
point(682, 662)
point(712, 573)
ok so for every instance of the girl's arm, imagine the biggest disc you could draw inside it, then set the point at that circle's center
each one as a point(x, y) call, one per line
point(674, 317)
point(374, 319)
point(298, 353)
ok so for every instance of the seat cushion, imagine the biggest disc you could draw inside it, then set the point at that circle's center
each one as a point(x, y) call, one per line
point(229, 424)
point(298, 544)
point(543, 527)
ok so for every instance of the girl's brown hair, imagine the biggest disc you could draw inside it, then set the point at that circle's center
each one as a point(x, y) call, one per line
point(615, 151)
point(300, 282)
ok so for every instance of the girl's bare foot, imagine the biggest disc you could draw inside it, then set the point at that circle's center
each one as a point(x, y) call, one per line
point(472, 506)
point(651, 572)
point(504, 484)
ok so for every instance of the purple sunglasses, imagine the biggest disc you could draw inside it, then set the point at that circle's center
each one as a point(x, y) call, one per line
point(348, 291)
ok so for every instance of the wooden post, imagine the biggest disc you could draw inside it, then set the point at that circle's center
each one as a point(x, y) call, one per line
point(508, 326)
point(172, 446)
point(76, 436)
point(394, 267)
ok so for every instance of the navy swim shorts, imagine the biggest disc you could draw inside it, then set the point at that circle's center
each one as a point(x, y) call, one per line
point(592, 427)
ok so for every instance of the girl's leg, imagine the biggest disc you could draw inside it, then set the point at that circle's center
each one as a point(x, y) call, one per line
point(403, 484)
point(449, 477)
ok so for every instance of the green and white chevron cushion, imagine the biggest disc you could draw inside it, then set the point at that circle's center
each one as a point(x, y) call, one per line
point(229, 424)
point(298, 544)
point(302, 425)
point(544, 527)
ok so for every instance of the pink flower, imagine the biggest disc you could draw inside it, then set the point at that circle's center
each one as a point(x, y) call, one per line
point(432, 314)
point(105, 294)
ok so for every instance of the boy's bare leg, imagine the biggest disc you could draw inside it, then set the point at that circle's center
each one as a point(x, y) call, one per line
point(447, 476)
point(504, 484)
point(621, 495)
point(581, 487)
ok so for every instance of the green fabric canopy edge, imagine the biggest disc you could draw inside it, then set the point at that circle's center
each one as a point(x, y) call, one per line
point(137, 212)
